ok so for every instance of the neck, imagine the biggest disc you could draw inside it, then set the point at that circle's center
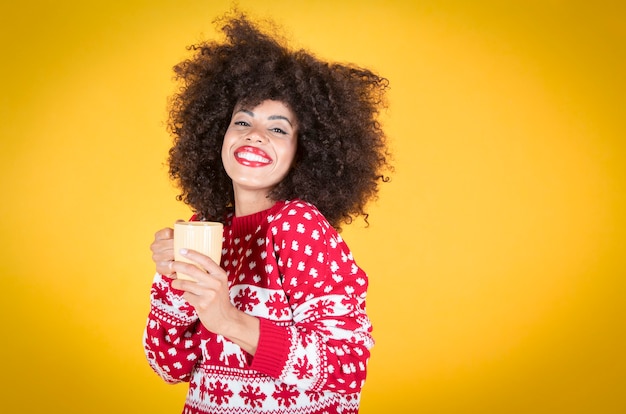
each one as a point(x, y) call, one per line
point(247, 203)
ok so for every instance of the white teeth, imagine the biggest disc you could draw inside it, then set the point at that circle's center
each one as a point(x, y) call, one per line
point(252, 157)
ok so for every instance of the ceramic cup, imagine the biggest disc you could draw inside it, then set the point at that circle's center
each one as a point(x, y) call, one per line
point(202, 236)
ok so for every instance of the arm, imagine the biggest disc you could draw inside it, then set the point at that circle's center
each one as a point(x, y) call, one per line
point(171, 341)
point(327, 346)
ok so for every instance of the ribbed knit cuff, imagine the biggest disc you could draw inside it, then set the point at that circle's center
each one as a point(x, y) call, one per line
point(273, 349)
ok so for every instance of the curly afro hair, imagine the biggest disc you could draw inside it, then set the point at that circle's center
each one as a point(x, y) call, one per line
point(342, 154)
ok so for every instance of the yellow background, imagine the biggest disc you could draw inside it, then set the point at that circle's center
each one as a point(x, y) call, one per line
point(496, 254)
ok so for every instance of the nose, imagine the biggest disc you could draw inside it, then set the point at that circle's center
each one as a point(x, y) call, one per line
point(254, 135)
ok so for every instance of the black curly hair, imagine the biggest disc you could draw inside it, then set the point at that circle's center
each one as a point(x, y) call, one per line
point(342, 153)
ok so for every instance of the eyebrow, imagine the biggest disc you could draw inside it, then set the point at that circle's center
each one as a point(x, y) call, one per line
point(271, 117)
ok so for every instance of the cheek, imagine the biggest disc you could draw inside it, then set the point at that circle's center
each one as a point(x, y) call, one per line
point(288, 154)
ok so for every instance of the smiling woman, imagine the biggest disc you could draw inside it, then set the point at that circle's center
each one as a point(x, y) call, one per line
point(279, 325)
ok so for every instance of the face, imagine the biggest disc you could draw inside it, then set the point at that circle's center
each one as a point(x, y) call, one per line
point(259, 146)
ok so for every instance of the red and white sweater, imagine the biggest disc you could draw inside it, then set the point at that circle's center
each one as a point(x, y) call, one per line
point(291, 269)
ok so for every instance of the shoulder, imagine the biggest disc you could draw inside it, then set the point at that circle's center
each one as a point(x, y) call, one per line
point(297, 216)
point(300, 211)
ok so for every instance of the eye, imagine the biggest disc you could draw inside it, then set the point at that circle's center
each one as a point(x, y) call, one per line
point(241, 123)
point(279, 131)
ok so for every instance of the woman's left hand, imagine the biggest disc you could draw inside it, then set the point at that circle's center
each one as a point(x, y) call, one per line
point(209, 296)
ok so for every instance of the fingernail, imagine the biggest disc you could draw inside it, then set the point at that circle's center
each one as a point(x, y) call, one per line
point(183, 251)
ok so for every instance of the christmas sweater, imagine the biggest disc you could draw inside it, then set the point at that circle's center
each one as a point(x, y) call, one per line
point(291, 269)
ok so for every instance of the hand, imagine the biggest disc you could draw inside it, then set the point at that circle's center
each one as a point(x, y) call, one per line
point(208, 292)
point(163, 251)
point(209, 295)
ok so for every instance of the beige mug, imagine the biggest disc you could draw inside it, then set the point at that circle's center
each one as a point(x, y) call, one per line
point(202, 236)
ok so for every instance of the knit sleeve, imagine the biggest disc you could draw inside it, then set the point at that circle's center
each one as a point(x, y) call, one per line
point(171, 340)
point(327, 346)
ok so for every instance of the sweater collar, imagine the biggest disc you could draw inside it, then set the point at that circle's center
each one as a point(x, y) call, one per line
point(251, 223)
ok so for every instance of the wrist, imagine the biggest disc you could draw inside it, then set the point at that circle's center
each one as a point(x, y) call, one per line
point(244, 331)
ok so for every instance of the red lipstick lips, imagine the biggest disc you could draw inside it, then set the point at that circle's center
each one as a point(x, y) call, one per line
point(252, 156)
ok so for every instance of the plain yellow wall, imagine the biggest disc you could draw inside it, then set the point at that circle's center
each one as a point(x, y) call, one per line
point(496, 254)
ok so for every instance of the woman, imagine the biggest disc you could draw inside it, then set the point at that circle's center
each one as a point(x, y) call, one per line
point(283, 149)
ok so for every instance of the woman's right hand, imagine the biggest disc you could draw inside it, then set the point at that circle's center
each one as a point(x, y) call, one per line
point(163, 251)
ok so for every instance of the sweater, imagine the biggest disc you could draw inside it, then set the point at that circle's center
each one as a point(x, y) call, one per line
point(291, 269)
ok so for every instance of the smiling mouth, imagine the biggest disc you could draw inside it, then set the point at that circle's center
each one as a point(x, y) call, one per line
point(252, 157)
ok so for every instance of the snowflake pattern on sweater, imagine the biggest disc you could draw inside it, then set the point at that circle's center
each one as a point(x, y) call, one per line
point(291, 269)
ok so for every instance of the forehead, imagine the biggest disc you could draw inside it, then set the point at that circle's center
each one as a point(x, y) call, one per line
point(266, 107)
